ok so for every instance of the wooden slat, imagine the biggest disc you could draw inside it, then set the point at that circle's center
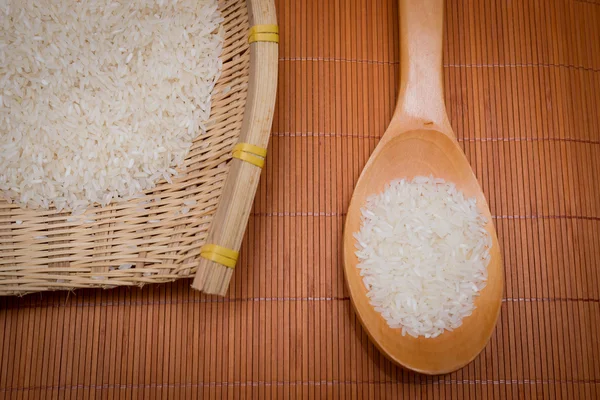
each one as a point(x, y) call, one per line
point(521, 79)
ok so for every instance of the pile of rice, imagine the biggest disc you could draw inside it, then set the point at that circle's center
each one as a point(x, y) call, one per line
point(423, 252)
point(101, 99)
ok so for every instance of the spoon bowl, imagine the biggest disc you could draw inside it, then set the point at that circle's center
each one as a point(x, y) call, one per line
point(423, 153)
point(420, 142)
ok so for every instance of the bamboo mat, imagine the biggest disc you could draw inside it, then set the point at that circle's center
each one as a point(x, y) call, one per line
point(522, 90)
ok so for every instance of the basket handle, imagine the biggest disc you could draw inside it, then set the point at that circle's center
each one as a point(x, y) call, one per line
point(229, 224)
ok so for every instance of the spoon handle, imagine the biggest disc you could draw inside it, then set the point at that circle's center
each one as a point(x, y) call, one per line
point(421, 98)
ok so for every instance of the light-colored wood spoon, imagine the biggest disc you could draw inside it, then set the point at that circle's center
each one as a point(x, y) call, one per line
point(420, 141)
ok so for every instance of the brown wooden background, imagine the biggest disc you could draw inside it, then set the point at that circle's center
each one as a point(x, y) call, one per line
point(523, 94)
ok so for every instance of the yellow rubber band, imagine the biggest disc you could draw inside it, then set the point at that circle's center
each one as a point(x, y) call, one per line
point(264, 29)
point(224, 251)
point(264, 37)
point(249, 158)
point(219, 254)
point(250, 153)
point(251, 148)
point(263, 33)
point(228, 262)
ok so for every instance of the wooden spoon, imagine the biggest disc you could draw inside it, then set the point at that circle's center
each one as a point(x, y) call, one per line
point(420, 141)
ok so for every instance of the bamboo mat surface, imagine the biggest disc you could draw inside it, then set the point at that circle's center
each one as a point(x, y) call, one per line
point(522, 81)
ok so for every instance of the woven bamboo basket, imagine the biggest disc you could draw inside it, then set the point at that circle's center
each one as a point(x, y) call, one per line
point(158, 237)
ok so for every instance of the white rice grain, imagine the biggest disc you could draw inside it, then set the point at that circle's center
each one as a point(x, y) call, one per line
point(91, 102)
point(423, 253)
